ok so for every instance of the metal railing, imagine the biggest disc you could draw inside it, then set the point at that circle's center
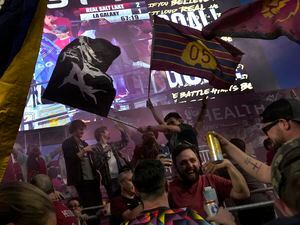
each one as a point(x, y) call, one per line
point(262, 190)
point(250, 206)
point(93, 207)
point(231, 209)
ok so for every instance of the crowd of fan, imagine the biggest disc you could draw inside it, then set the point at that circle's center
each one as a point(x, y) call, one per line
point(140, 192)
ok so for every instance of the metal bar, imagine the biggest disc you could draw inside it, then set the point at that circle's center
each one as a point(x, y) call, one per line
point(93, 207)
point(122, 122)
point(262, 190)
point(250, 206)
point(149, 83)
point(91, 217)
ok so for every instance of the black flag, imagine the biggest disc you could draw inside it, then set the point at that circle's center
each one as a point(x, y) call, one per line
point(79, 78)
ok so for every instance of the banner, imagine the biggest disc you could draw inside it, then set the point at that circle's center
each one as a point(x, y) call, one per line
point(15, 82)
point(266, 19)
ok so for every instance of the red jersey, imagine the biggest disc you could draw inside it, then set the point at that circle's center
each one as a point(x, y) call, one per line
point(181, 196)
point(9, 174)
point(64, 215)
point(35, 166)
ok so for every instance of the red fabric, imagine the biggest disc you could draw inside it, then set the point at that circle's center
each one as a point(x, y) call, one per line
point(118, 206)
point(58, 184)
point(64, 215)
point(61, 21)
point(180, 196)
point(184, 50)
point(61, 43)
point(36, 166)
point(144, 152)
point(270, 156)
point(266, 19)
point(9, 175)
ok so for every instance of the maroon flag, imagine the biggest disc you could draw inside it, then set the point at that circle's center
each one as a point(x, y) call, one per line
point(184, 50)
point(264, 19)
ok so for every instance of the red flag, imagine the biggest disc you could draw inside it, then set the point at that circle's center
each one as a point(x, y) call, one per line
point(184, 50)
point(264, 19)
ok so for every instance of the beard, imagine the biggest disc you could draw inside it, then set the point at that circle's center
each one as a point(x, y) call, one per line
point(278, 142)
point(149, 141)
point(189, 177)
point(276, 146)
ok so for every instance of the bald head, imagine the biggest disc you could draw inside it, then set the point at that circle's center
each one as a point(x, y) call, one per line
point(43, 182)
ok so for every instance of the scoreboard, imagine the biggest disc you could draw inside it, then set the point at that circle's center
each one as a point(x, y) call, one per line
point(116, 12)
point(127, 24)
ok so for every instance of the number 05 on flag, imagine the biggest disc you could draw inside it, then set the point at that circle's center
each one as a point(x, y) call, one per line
point(185, 50)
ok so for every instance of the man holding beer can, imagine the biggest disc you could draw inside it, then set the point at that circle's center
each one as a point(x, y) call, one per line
point(285, 174)
point(281, 123)
point(187, 190)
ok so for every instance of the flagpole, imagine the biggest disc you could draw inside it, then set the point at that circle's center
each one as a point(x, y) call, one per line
point(149, 83)
point(122, 122)
point(150, 71)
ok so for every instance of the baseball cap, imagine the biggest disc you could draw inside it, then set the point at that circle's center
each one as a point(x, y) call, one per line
point(286, 163)
point(172, 114)
point(282, 109)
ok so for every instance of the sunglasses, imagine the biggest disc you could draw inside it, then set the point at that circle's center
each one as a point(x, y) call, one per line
point(269, 126)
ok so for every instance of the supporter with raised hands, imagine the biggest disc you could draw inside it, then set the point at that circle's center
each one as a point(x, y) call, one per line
point(281, 123)
point(187, 189)
point(285, 173)
point(174, 127)
point(256, 168)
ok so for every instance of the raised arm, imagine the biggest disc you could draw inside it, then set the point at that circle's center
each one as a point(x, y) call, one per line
point(240, 188)
point(57, 151)
point(157, 117)
point(256, 168)
point(48, 158)
point(161, 128)
point(118, 145)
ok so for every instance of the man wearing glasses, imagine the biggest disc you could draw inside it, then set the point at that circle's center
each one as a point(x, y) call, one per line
point(286, 182)
point(281, 123)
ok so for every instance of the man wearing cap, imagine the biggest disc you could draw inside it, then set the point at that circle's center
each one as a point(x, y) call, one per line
point(285, 174)
point(174, 128)
point(281, 123)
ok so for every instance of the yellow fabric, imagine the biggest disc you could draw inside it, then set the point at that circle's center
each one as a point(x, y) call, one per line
point(197, 53)
point(14, 86)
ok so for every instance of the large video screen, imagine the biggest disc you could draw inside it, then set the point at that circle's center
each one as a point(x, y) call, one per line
point(126, 24)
